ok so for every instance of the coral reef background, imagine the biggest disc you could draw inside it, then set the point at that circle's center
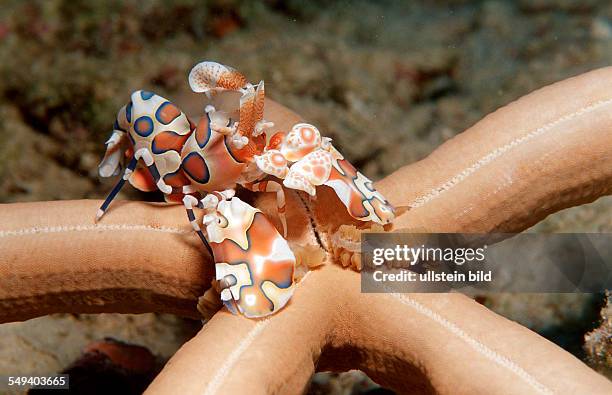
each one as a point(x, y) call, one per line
point(388, 81)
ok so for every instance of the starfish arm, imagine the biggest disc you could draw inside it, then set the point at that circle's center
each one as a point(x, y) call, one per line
point(547, 151)
point(54, 259)
point(271, 355)
point(450, 344)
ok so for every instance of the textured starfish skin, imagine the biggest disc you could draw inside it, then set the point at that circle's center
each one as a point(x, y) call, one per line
point(550, 150)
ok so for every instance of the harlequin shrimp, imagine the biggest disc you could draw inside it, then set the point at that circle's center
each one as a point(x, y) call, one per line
point(201, 165)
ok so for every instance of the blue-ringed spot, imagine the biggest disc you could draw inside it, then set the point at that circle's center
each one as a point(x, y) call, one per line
point(146, 95)
point(196, 168)
point(128, 112)
point(168, 141)
point(167, 113)
point(143, 126)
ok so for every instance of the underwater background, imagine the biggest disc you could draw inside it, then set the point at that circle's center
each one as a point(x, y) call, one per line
point(388, 81)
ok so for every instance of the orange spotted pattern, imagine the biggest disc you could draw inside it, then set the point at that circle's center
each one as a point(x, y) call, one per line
point(169, 141)
point(251, 111)
point(355, 204)
point(276, 140)
point(254, 147)
point(168, 113)
point(195, 166)
point(232, 80)
point(224, 164)
point(261, 236)
point(177, 179)
point(308, 134)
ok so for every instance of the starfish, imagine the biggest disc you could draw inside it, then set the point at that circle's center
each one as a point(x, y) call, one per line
point(550, 150)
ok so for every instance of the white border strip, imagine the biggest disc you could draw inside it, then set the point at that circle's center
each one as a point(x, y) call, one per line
point(481, 348)
point(228, 364)
point(497, 152)
point(89, 228)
